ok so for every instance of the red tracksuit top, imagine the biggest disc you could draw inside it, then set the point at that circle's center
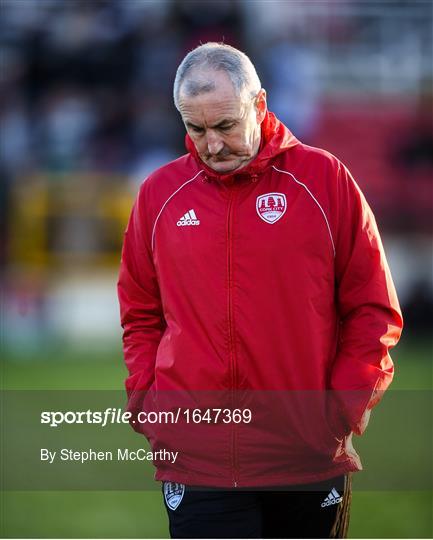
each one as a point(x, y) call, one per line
point(267, 288)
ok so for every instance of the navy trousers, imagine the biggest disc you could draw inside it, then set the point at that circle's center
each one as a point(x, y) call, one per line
point(319, 510)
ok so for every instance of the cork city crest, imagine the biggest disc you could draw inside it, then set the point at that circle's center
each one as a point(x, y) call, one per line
point(173, 494)
point(271, 206)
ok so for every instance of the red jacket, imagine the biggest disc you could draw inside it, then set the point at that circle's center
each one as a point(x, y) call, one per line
point(266, 289)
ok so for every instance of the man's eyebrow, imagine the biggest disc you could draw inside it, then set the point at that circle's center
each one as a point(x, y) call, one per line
point(223, 123)
point(190, 124)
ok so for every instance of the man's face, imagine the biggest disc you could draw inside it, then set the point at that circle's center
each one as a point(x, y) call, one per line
point(224, 127)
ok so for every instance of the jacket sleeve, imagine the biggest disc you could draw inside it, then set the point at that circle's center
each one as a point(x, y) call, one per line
point(368, 308)
point(141, 313)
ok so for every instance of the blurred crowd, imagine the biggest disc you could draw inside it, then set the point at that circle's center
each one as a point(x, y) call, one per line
point(88, 83)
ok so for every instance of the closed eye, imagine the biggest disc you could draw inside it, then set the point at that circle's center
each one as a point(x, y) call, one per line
point(226, 128)
point(196, 129)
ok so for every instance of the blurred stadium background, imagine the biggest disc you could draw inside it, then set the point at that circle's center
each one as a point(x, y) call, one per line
point(86, 113)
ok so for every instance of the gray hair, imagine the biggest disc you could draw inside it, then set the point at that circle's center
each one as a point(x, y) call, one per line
point(217, 57)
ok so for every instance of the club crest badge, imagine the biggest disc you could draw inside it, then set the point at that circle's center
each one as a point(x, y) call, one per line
point(173, 494)
point(271, 207)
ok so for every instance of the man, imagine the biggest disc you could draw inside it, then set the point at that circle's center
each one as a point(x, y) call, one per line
point(253, 282)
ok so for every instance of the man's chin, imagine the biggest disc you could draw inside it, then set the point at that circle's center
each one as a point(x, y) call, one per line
point(224, 167)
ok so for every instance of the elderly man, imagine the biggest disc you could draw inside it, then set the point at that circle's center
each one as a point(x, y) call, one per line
point(256, 301)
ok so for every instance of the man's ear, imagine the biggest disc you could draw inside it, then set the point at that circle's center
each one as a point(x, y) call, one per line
point(261, 106)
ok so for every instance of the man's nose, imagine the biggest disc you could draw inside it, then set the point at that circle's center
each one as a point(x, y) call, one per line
point(214, 143)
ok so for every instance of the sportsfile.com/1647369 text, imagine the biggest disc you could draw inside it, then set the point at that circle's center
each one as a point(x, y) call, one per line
point(117, 416)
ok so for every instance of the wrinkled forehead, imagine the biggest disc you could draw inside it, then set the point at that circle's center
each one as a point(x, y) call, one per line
point(210, 95)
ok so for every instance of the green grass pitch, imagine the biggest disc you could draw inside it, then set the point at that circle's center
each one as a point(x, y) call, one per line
point(140, 514)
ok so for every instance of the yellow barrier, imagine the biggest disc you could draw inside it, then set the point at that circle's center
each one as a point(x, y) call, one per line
point(68, 220)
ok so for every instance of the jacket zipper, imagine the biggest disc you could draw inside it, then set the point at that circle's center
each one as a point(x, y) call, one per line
point(232, 348)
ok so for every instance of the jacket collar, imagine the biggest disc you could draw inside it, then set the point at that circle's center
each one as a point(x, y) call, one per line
point(276, 138)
